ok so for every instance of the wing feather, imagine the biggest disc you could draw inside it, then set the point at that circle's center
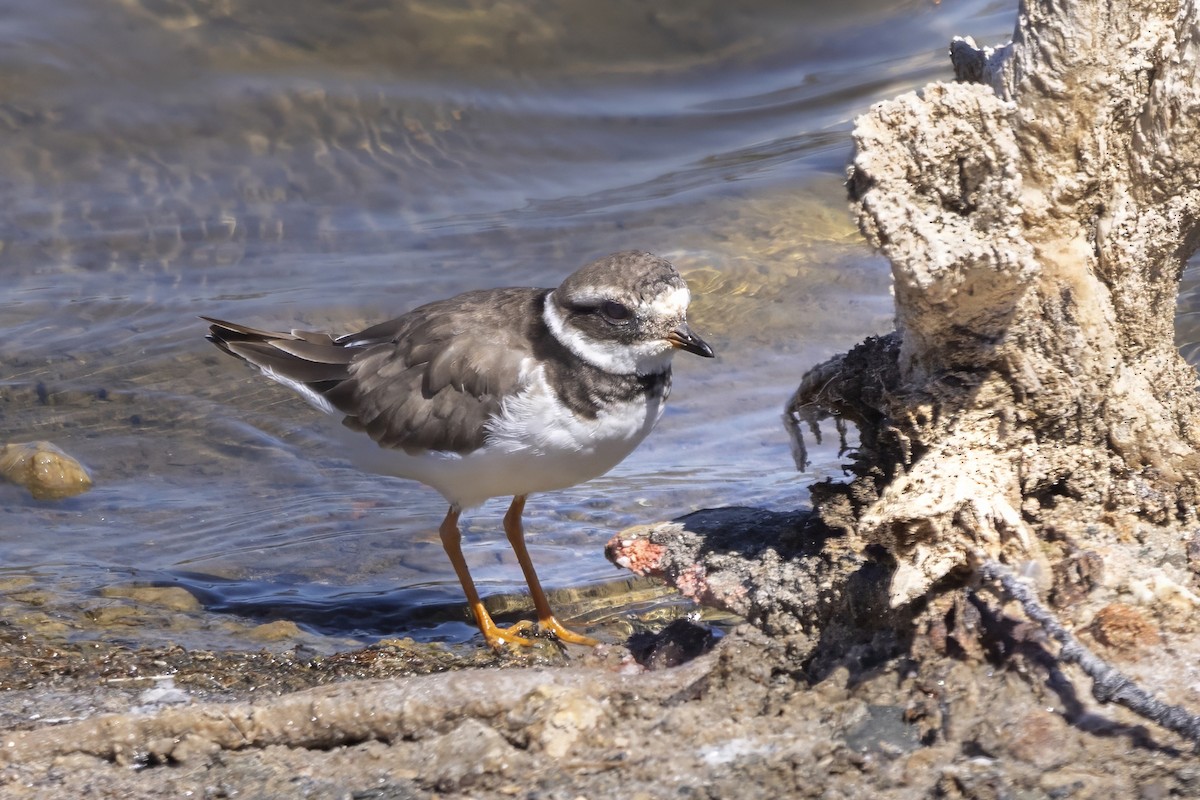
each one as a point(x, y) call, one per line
point(427, 380)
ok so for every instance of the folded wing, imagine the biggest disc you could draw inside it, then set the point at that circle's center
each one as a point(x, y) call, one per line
point(452, 363)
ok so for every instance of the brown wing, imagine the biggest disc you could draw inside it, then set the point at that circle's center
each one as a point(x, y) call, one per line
point(427, 380)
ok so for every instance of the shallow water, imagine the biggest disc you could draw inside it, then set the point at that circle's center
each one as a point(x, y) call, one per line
point(322, 165)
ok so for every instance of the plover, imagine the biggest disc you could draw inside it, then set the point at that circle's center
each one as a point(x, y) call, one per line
point(496, 393)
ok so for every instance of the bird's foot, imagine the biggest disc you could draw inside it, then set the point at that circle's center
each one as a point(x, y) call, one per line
point(498, 637)
point(522, 633)
point(553, 627)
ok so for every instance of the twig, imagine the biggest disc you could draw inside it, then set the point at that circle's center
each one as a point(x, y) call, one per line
point(1109, 685)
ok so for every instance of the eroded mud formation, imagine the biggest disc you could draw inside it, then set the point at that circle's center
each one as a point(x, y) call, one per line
point(1031, 407)
point(1037, 225)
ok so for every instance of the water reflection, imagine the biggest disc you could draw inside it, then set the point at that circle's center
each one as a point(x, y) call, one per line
point(335, 164)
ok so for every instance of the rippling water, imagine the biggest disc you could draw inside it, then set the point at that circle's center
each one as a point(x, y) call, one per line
point(316, 164)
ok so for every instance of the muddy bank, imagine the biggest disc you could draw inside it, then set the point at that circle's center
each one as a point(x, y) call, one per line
point(978, 708)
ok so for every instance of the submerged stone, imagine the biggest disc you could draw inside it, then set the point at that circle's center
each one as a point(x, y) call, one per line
point(45, 470)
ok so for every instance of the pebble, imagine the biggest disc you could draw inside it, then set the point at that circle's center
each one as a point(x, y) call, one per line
point(276, 631)
point(43, 469)
point(172, 598)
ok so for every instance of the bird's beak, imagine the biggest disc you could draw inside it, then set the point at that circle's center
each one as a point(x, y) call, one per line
point(682, 338)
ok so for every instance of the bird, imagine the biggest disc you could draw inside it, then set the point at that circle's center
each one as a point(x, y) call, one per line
point(496, 393)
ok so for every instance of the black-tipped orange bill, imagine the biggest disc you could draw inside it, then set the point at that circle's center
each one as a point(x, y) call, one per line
point(682, 338)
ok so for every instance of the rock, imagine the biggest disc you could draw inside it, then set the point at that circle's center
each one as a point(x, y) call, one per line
point(163, 693)
point(554, 717)
point(194, 749)
point(466, 754)
point(45, 470)
point(277, 631)
point(172, 598)
point(1124, 628)
point(111, 615)
point(679, 642)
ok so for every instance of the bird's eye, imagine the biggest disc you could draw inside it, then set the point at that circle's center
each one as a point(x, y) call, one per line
point(615, 312)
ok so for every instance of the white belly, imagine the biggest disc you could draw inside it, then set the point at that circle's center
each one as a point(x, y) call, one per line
point(535, 445)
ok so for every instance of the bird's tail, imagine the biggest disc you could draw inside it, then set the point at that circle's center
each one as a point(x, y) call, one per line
point(311, 363)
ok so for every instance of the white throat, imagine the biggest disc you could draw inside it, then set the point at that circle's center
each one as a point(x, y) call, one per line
point(643, 358)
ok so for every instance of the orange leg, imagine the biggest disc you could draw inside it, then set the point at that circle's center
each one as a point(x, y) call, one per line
point(516, 538)
point(452, 542)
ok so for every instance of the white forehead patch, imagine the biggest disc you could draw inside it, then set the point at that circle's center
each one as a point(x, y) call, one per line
point(672, 304)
